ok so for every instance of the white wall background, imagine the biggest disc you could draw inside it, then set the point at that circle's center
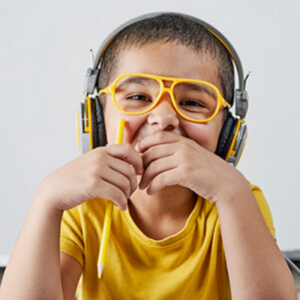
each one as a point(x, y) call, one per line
point(44, 54)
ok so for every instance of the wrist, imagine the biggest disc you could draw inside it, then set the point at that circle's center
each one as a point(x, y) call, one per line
point(237, 191)
point(47, 202)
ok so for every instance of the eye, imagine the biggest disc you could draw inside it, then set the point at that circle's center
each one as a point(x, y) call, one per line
point(139, 98)
point(192, 103)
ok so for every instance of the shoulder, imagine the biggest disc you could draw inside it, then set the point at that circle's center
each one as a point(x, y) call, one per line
point(264, 207)
point(77, 220)
point(93, 207)
point(260, 198)
point(210, 213)
point(81, 224)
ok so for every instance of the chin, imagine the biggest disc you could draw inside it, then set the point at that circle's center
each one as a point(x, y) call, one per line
point(174, 190)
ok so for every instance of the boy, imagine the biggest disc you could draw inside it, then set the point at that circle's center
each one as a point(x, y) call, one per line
point(189, 225)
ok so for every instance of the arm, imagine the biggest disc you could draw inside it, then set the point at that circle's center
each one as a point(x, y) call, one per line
point(35, 266)
point(33, 271)
point(60, 272)
point(70, 274)
point(256, 268)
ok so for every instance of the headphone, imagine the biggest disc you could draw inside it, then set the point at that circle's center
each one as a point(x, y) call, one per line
point(90, 120)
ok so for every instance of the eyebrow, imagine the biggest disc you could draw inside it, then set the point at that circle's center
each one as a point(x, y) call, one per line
point(196, 87)
point(137, 80)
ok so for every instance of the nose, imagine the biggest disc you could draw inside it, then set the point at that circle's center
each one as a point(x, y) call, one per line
point(164, 115)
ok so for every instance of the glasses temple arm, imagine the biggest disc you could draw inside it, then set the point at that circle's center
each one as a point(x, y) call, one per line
point(105, 91)
point(226, 104)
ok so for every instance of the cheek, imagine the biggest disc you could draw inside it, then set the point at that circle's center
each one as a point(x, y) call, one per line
point(206, 135)
point(132, 125)
point(135, 129)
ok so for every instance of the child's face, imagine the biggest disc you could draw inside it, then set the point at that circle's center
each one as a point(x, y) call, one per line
point(168, 60)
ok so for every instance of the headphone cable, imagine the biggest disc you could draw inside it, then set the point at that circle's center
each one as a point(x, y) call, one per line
point(292, 265)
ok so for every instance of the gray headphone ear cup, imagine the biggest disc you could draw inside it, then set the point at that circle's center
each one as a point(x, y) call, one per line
point(99, 132)
point(226, 136)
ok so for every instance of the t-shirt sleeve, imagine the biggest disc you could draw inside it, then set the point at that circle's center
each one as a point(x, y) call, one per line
point(264, 208)
point(71, 238)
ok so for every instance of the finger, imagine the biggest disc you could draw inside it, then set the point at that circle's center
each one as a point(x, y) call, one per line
point(157, 138)
point(125, 169)
point(156, 167)
point(157, 152)
point(118, 180)
point(168, 178)
point(112, 193)
point(127, 153)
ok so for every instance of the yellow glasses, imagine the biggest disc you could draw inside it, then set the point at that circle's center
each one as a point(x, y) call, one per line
point(194, 100)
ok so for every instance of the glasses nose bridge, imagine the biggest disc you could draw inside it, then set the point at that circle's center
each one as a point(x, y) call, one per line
point(168, 90)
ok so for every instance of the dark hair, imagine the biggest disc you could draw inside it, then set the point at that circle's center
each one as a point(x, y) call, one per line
point(170, 28)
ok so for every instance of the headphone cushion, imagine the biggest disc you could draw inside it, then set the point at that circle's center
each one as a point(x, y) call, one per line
point(99, 132)
point(226, 136)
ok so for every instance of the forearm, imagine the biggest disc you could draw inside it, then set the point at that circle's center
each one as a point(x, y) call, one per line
point(33, 271)
point(256, 267)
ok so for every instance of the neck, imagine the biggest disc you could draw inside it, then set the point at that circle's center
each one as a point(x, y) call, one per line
point(162, 214)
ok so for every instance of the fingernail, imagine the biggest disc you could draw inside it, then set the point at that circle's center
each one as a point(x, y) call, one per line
point(141, 186)
point(123, 208)
point(149, 192)
point(137, 147)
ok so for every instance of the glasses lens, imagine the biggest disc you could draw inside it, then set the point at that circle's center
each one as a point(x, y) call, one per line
point(136, 94)
point(197, 101)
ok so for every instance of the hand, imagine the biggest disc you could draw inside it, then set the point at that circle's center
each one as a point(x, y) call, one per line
point(105, 172)
point(171, 159)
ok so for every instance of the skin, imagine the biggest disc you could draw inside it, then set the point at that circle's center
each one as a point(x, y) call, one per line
point(162, 155)
point(156, 134)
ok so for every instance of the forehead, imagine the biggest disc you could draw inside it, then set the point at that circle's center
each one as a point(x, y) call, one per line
point(167, 59)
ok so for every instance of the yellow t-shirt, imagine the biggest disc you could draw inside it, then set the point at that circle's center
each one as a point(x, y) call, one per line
point(187, 265)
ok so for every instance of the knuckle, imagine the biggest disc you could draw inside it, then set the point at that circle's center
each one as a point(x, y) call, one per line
point(93, 184)
point(131, 170)
point(127, 148)
point(182, 157)
point(158, 182)
point(127, 154)
point(125, 184)
point(117, 196)
point(185, 155)
point(154, 166)
point(99, 151)
point(150, 152)
point(161, 179)
point(99, 156)
point(134, 186)
point(95, 170)
point(187, 169)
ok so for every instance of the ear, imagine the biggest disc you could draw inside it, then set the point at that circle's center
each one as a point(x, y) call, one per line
point(99, 132)
point(225, 137)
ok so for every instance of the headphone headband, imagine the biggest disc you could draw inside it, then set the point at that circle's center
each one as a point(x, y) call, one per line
point(91, 128)
point(241, 95)
point(234, 55)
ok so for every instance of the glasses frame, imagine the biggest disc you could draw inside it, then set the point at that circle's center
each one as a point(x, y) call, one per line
point(221, 102)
